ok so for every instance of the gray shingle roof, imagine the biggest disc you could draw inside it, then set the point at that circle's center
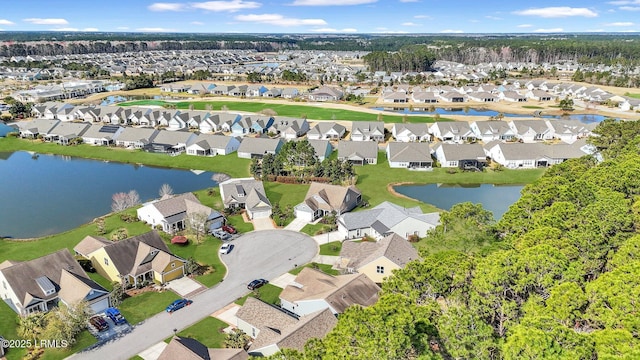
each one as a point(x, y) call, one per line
point(387, 214)
point(364, 149)
point(401, 151)
point(392, 247)
point(259, 146)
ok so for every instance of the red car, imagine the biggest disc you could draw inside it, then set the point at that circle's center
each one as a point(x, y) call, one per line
point(230, 229)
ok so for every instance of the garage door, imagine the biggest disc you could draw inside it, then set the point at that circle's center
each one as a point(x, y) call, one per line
point(303, 215)
point(100, 306)
point(260, 214)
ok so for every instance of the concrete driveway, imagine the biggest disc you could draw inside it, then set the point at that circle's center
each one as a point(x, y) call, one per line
point(259, 254)
point(263, 224)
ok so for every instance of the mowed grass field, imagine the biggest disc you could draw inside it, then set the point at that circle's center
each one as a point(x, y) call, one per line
point(314, 112)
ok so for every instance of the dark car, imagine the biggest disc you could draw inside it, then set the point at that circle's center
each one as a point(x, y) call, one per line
point(256, 284)
point(230, 229)
point(178, 304)
point(115, 316)
point(99, 323)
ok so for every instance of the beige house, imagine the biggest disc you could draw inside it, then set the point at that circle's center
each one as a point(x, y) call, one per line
point(377, 260)
point(323, 199)
point(314, 290)
point(135, 261)
point(191, 349)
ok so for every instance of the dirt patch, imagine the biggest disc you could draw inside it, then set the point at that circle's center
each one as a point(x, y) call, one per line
point(395, 193)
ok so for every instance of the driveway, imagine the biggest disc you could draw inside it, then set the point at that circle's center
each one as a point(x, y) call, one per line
point(296, 225)
point(185, 286)
point(259, 254)
point(263, 224)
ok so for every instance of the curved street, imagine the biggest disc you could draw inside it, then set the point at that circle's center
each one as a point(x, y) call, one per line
point(259, 254)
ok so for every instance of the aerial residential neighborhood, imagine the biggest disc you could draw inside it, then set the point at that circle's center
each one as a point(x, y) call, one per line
point(319, 180)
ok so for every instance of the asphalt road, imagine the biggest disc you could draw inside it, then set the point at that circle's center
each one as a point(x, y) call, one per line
point(260, 254)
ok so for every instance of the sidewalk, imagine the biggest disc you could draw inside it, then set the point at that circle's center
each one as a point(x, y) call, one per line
point(328, 237)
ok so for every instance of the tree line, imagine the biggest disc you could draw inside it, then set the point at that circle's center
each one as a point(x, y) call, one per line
point(409, 59)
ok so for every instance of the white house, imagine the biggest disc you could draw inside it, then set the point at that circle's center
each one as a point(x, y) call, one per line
point(211, 145)
point(412, 156)
point(411, 132)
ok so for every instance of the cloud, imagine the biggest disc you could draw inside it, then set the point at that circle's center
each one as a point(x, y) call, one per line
point(449, 31)
point(524, 26)
point(279, 20)
point(167, 7)
point(332, 30)
point(422, 17)
point(625, 2)
point(409, 23)
point(230, 6)
point(620, 23)
point(630, 8)
point(493, 17)
point(197, 23)
point(40, 21)
point(391, 32)
point(628, 31)
point(595, 30)
point(155, 29)
point(557, 12)
point(6, 22)
point(409, 1)
point(552, 30)
point(330, 2)
point(90, 29)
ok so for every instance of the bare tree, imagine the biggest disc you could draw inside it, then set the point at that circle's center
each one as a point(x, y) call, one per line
point(196, 223)
point(165, 190)
point(134, 198)
point(122, 201)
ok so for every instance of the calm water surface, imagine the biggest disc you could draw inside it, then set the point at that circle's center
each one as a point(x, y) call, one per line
point(47, 194)
point(495, 198)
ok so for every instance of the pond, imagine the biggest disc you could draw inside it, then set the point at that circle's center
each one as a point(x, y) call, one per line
point(47, 194)
point(495, 198)
point(115, 99)
point(584, 118)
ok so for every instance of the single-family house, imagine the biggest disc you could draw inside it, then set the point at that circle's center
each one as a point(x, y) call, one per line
point(219, 122)
point(452, 131)
point(325, 93)
point(239, 91)
point(191, 349)
point(481, 96)
point(629, 104)
point(424, 97)
point(223, 89)
point(256, 90)
point(313, 290)
point(171, 142)
point(323, 199)
point(377, 260)
point(290, 128)
point(173, 213)
point(103, 135)
point(490, 130)
point(290, 93)
point(178, 121)
point(251, 147)
point(65, 132)
point(136, 138)
point(512, 96)
point(539, 95)
point(326, 130)
point(246, 193)
point(321, 148)
point(535, 155)
point(273, 329)
point(453, 97)
point(367, 131)
point(386, 218)
point(411, 132)
point(32, 129)
point(272, 93)
point(531, 130)
point(358, 152)
point(569, 131)
point(134, 261)
point(412, 156)
point(201, 88)
point(252, 124)
point(395, 97)
point(40, 284)
point(463, 156)
point(212, 144)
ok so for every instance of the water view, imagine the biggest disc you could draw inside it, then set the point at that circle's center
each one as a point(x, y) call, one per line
point(495, 198)
point(47, 194)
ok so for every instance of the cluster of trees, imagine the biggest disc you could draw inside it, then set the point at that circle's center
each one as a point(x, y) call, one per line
point(138, 82)
point(607, 78)
point(122, 201)
point(412, 58)
point(295, 76)
point(560, 279)
point(62, 324)
point(298, 159)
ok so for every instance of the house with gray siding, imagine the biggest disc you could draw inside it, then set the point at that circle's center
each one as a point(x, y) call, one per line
point(251, 147)
point(412, 156)
point(358, 152)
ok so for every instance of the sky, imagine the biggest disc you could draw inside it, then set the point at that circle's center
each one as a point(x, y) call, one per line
point(322, 16)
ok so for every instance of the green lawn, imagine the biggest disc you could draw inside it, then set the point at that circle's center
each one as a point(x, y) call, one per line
point(84, 340)
point(238, 222)
point(229, 164)
point(635, 96)
point(286, 194)
point(332, 249)
point(205, 253)
point(314, 229)
point(309, 111)
point(532, 107)
point(326, 268)
point(268, 293)
point(208, 331)
point(8, 326)
point(373, 180)
point(100, 280)
point(136, 309)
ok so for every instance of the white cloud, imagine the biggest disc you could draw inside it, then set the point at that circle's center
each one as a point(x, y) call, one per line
point(155, 29)
point(490, 17)
point(630, 8)
point(40, 21)
point(65, 29)
point(279, 20)
point(625, 2)
point(332, 30)
point(552, 30)
point(90, 29)
point(628, 31)
point(409, 23)
point(330, 2)
point(391, 32)
point(230, 6)
point(620, 23)
point(449, 31)
point(122, 28)
point(6, 22)
point(197, 23)
point(422, 17)
point(524, 26)
point(409, 1)
point(557, 12)
point(167, 7)
point(595, 30)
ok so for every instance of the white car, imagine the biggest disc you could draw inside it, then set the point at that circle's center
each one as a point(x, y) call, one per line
point(226, 248)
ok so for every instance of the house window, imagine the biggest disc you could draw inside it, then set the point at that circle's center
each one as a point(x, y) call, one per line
point(106, 261)
point(380, 269)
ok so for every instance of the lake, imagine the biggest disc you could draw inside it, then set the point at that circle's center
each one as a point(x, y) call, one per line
point(47, 194)
point(495, 198)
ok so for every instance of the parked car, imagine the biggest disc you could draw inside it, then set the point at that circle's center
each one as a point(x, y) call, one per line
point(255, 284)
point(230, 229)
point(115, 316)
point(99, 323)
point(221, 234)
point(178, 304)
point(226, 248)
